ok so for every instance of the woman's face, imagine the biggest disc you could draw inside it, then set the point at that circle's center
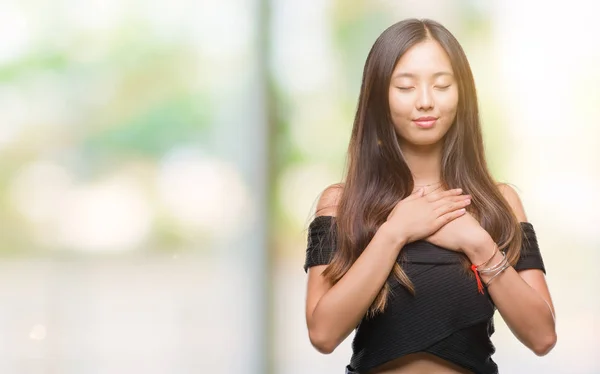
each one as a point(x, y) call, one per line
point(423, 95)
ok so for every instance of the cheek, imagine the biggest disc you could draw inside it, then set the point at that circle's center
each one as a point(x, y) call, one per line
point(400, 106)
point(449, 104)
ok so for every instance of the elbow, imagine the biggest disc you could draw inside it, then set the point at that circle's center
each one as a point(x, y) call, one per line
point(322, 342)
point(544, 346)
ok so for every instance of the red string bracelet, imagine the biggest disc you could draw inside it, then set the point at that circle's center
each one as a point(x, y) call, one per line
point(479, 284)
point(475, 267)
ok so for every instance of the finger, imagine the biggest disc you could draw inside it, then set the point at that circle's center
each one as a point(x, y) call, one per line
point(451, 206)
point(444, 219)
point(451, 199)
point(439, 195)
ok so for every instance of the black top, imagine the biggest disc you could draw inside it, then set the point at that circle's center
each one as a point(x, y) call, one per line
point(447, 317)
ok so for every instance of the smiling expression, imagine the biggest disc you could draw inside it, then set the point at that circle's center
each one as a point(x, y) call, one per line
point(423, 95)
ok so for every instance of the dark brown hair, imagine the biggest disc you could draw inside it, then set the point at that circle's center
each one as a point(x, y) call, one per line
point(377, 175)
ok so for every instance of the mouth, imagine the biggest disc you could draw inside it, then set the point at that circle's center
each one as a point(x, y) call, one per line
point(425, 122)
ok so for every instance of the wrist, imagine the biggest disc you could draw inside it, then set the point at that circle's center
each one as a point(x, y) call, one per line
point(495, 262)
point(392, 235)
point(480, 251)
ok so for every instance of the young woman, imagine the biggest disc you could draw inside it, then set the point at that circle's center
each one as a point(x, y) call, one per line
point(418, 246)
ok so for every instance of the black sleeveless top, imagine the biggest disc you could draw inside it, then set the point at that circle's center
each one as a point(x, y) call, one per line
point(447, 317)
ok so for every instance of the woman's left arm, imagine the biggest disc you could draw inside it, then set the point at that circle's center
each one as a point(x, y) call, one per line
point(522, 297)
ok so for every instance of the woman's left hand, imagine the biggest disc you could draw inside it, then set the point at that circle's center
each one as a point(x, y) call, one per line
point(460, 234)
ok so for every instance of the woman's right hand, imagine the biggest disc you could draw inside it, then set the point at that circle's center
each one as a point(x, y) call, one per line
point(417, 216)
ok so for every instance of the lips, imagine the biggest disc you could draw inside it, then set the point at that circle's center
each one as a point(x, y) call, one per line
point(425, 122)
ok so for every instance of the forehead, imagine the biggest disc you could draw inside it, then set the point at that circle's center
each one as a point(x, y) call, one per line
point(424, 59)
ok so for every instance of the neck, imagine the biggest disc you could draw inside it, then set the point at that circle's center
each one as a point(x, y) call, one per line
point(424, 162)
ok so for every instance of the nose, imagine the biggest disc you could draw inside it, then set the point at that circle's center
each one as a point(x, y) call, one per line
point(425, 99)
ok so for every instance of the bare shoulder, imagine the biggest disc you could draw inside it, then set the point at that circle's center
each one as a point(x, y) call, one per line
point(329, 200)
point(513, 199)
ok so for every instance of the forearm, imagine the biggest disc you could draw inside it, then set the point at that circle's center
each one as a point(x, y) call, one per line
point(524, 310)
point(340, 310)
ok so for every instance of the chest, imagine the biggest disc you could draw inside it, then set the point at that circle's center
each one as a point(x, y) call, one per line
point(445, 292)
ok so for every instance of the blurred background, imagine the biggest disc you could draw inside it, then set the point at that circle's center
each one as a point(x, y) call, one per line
point(160, 162)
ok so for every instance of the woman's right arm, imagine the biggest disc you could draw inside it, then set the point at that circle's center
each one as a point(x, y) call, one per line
point(332, 312)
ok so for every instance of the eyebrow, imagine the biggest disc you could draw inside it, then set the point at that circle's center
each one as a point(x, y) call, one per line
point(410, 75)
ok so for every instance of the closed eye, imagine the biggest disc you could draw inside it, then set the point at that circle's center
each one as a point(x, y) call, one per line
point(443, 87)
point(405, 88)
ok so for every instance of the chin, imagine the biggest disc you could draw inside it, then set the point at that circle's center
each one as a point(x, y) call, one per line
point(425, 140)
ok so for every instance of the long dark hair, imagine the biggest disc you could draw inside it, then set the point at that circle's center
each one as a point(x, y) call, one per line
point(377, 174)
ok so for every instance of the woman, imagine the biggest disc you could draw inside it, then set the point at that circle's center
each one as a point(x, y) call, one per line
point(419, 246)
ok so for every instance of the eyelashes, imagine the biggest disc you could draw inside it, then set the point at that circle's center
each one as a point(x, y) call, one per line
point(442, 88)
